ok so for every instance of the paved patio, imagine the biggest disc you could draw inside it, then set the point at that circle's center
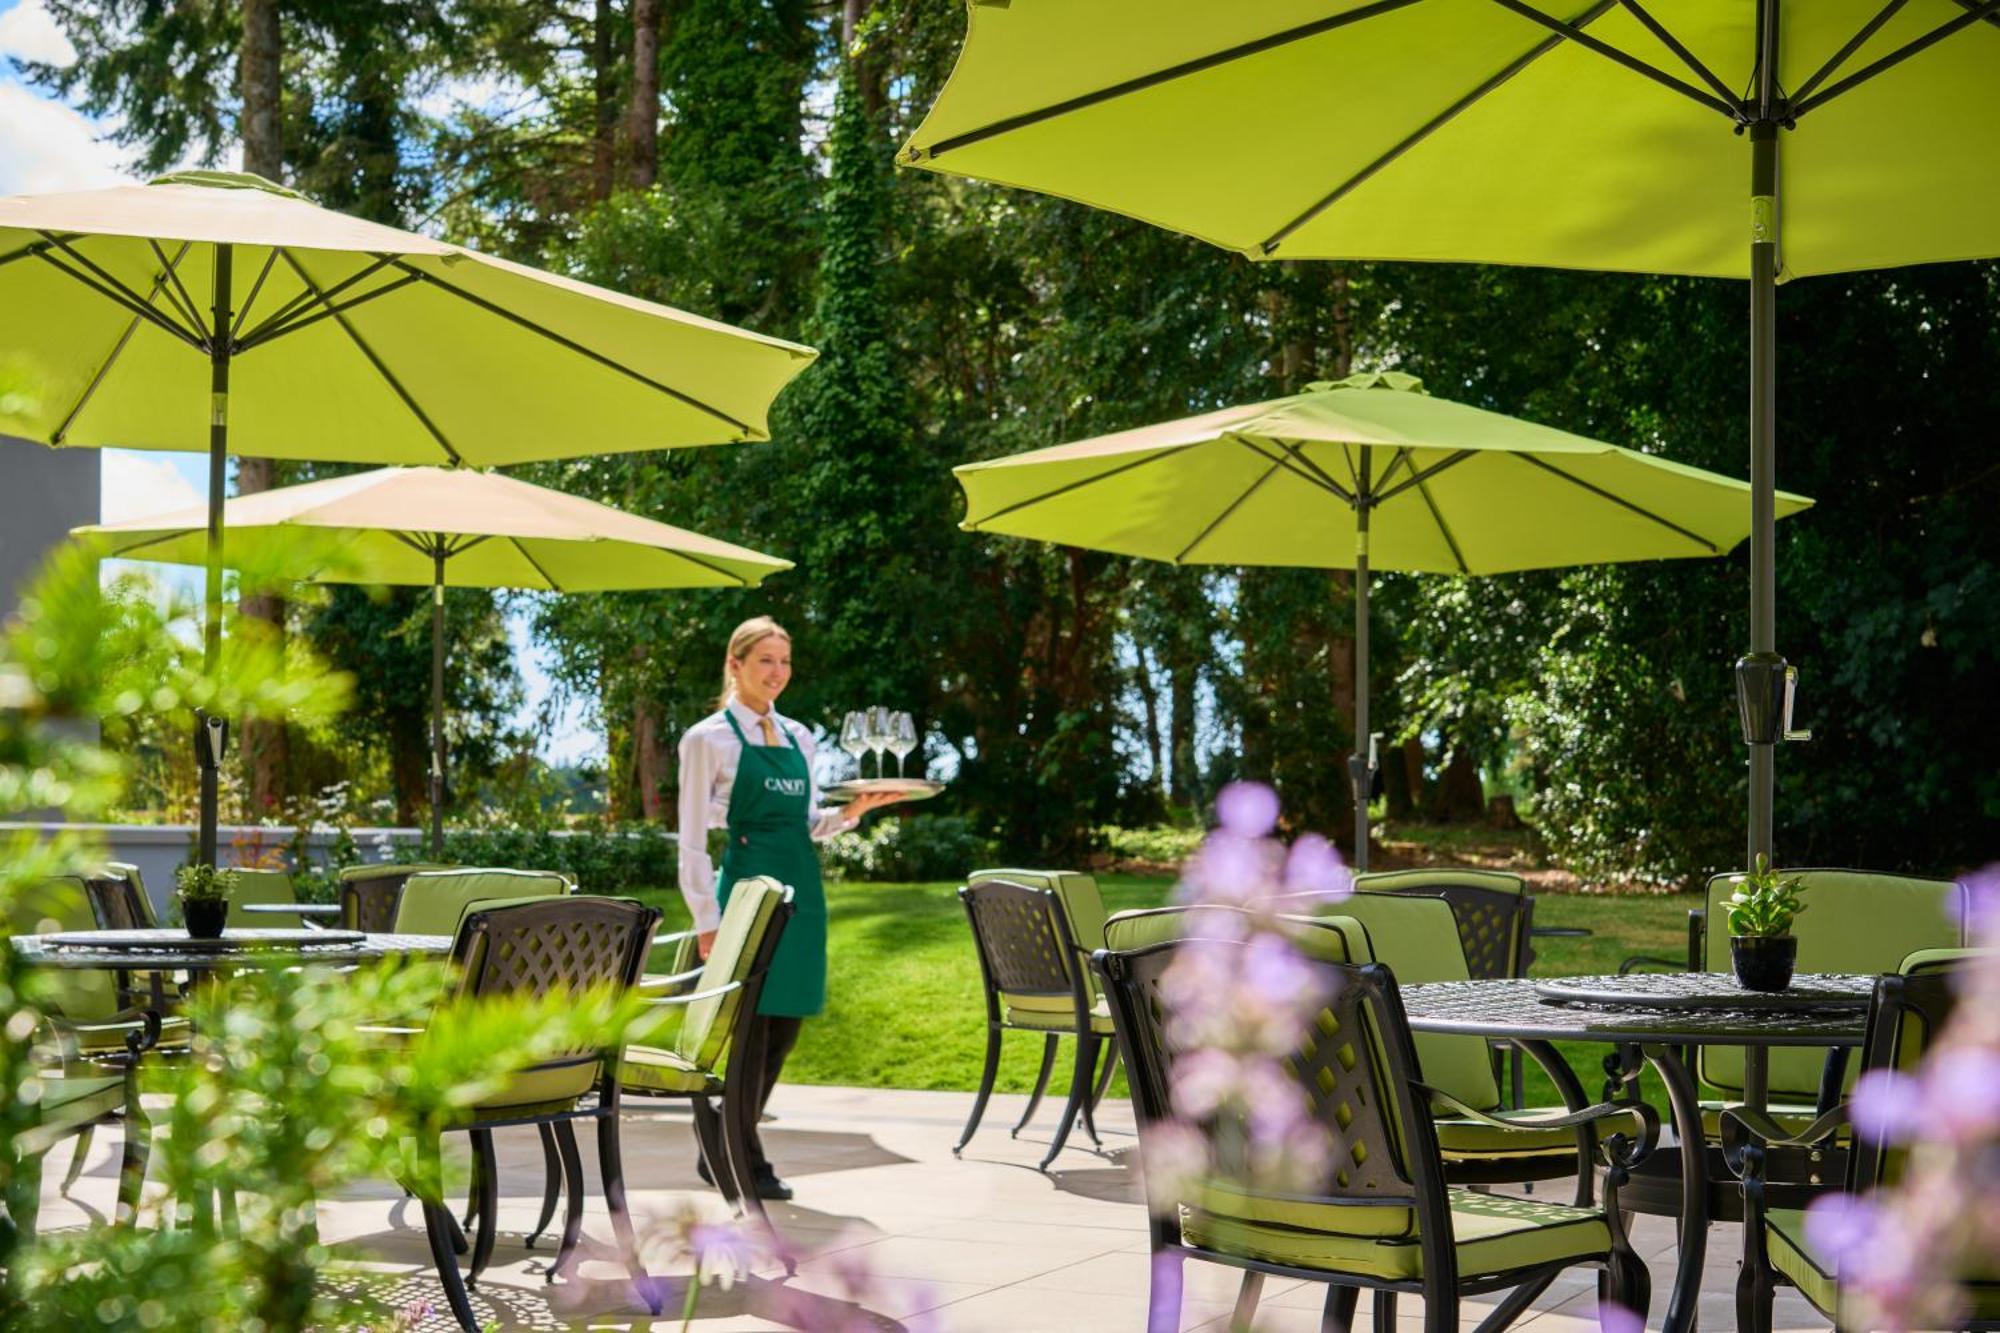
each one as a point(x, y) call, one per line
point(983, 1243)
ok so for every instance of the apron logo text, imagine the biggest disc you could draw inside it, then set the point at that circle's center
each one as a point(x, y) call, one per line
point(786, 786)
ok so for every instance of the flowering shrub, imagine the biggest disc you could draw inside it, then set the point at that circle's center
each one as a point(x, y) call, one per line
point(1907, 1250)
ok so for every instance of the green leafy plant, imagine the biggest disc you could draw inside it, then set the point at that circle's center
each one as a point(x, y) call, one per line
point(1765, 902)
point(198, 883)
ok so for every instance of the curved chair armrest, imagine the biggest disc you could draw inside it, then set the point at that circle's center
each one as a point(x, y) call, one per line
point(709, 994)
point(652, 982)
point(1748, 1135)
point(674, 938)
point(1648, 1118)
point(141, 1027)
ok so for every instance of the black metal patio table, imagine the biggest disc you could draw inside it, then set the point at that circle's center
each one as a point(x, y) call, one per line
point(169, 950)
point(1658, 1014)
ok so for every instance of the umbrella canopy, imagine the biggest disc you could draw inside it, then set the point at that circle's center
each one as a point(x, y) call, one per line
point(442, 528)
point(217, 311)
point(1364, 473)
point(1717, 137)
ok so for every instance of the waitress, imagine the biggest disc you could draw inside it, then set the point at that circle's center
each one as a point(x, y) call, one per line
point(773, 819)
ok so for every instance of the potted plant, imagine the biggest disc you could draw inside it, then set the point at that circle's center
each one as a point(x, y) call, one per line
point(204, 893)
point(1761, 944)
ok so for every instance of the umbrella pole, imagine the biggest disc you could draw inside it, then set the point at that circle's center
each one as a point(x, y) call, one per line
point(1763, 680)
point(211, 733)
point(437, 702)
point(1358, 770)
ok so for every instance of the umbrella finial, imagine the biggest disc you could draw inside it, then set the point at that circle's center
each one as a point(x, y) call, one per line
point(1371, 379)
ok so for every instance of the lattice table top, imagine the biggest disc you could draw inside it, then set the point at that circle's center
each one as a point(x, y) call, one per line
point(1515, 1008)
point(1809, 992)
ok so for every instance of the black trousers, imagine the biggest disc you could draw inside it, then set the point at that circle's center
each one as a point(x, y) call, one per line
point(771, 1039)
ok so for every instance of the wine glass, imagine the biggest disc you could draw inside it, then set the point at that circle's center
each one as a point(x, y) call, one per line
point(879, 728)
point(902, 738)
point(854, 739)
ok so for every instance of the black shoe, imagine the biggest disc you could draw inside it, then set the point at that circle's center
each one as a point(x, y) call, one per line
point(769, 1186)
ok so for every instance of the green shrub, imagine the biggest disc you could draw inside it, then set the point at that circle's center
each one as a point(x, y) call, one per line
point(1158, 844)
point(909, 849)
point(601, 860)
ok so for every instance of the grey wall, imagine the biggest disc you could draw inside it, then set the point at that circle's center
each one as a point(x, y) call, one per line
point(43, 494)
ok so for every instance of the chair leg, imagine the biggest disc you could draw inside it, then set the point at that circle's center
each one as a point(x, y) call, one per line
point(132, 1164)
point(1338, 1314)
point(1163, 1299)
point(1079, 1092)
point(572, 1165)
point(1097, 1047)
point(1754, 1296)
point(437, 1226)
point(738, 1107)
point(611, 1168)
point(77, 1155)
point(1041, 1084)
point(1517, 1301)
point(1246, 1300)
point(486, 1197)
point(986, 1077)
point(551, 1185)
point(1105, 1075)
point(708, 1134)
point(1385, 1311)
point(24, 1197)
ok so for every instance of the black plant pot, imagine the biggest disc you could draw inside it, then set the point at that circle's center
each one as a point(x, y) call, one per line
point(1764, 962)
point(204, 918)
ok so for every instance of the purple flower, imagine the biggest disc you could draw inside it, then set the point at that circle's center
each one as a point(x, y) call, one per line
point(1962, 1086)
point(1203, 1080)
point(724, 1251)
point(1615, 1318)
point(1314, 866)
point(1231, 869)
point(1842, 1225)
point(1887, 1107)
point(1247, 809)
point(1982, 889)
point(1167, 1282)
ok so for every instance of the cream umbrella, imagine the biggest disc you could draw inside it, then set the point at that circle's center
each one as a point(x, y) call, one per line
point(221, 312)
point(438, 527)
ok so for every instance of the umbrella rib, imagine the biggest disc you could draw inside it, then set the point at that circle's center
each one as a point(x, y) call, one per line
point(546, 577)
point(1616, 56)
point(381, 369)
point(1419, 478)
point(1971, 16)
point(117, 350)
point(1223, 517)
point(331, 311)
point(1425, 131)
point(1298, 451)
point(571, 344)
point(1402, 459)
point(116, 292)
point(1622, 502)
point(1294, 467)
point(1444, 528)
point(1142, 82)
point(276, 327)
point(176, 291)
point(1679, 48)
point(1839, 58)
point(236, 325)
point(708, 565)
point(1078, 485)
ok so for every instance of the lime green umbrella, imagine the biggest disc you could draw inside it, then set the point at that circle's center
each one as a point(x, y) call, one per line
point(439, 528)
point(1365, 473)
point(221, 312)
point(1732, 138)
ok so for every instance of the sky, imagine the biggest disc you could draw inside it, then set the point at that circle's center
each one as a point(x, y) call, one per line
point(48, 147)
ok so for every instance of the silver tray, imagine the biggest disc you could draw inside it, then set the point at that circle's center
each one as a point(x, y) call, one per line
point(910, 789)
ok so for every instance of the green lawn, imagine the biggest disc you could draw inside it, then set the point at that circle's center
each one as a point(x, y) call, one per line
point(905, 1009)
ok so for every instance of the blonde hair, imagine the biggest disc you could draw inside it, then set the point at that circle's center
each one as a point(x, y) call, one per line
point(746, 636)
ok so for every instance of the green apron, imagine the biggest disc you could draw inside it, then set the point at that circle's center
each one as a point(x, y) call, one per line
point(770, 833)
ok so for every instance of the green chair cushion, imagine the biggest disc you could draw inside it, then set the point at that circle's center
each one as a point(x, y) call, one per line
point(434, 902)
point(753, 905)
point(1052, 1013)
point(1459, 1137)
point(390, 869)
point(1855, 921)
point(1397, 881)
point(1492, 1233)
point(1333, 939)
point(651, 1069)
point(1792, 1254)
point(67, 1105)
point(1417, 939)
point(261, 886)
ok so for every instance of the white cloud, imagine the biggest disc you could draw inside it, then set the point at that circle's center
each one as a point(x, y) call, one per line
point(137, 484)
point(47, 147)
point(28, 33)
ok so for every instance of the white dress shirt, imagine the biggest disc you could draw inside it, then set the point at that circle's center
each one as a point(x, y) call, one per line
point(709, 754)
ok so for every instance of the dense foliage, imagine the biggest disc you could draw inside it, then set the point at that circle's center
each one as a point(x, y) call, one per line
point(1067, 690)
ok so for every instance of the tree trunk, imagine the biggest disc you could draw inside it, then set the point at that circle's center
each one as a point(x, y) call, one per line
point(642, 130)
point(1461, 799)
point(867, 71)
point(1396, 783)
point(650, 765)
point(1182, 787)
point(1149, 695)
point(604, 139)
point(261, 91)
point(410, 771)
point(1413, 771)
point(266, 748)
